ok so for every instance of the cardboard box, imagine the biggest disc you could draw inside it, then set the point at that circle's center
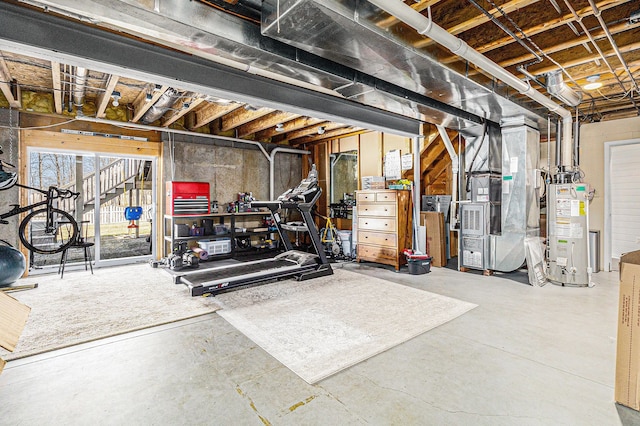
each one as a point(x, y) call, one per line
point(628, 350)
point(13, 317)
point(436, 244)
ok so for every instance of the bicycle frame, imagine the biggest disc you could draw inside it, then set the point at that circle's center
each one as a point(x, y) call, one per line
point(328, 229)
point(49, 195)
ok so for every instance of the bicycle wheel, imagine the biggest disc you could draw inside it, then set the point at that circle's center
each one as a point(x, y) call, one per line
point(34, 235)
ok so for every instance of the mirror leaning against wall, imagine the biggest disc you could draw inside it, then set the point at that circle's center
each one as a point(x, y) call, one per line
point(344, 181)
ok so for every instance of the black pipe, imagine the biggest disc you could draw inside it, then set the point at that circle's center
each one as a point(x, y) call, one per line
point(558, 143)
point(576, 144)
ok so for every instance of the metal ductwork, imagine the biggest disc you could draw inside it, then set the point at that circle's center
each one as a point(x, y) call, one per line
point(344, 31)
point(449, 99)
point(164, 104)
point(79, 83)
point(558, 88)
point(459, 47)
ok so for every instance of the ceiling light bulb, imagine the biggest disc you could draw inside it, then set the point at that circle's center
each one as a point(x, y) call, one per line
point(279, 127)
point(116, 97)
point(148, 97)
point(593, 83)
point(321, 130)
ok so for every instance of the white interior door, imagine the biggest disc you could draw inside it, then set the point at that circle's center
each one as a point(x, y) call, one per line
point(621, 204)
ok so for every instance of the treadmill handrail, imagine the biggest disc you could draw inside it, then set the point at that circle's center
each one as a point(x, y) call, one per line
point(274, 203)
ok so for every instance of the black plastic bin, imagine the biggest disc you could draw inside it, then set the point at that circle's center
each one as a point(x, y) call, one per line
point(419, 265)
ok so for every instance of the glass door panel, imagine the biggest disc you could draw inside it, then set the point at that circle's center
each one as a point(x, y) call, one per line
point(71, 171)
point(126, 207)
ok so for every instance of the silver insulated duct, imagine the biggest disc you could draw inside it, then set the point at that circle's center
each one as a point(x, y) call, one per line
point(79, 83)
point(164, 104)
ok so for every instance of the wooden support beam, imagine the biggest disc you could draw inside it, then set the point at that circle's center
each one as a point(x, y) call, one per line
point(179, 109)
point(313, 129)
point(209, 112)
point(269, 120)
point(102, 101)
point(435, 153)
point(549, 25)
point(327, 136)
point(289, 126)
point(418, 7)
point(585, 60)
point(333, 131)
point(9, 88)
point(57, 86)
point(141, 105)
point(599, 35)
point(429, 140)
point(478, 20)
point(437, 169)
point(241, 116)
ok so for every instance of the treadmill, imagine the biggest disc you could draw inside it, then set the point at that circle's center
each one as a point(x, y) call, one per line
point(290, 264)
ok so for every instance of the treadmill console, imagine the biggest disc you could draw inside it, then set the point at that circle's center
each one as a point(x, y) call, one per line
point(305, 191)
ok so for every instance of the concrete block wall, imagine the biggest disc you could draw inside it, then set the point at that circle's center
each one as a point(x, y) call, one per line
point(229, 167)
point(9, 196)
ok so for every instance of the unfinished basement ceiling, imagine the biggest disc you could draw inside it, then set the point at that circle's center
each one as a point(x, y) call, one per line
point(321, 46)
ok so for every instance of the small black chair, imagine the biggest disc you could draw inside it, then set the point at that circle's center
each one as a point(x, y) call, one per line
point(80, 243)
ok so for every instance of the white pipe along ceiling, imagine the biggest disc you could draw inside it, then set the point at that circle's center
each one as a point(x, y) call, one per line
point(269, 156)
point(459, 47)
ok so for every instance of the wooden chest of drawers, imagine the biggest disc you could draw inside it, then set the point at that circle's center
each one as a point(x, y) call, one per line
point(384, 226)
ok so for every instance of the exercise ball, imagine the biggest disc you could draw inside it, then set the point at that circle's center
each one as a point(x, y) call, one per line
point(12, 265)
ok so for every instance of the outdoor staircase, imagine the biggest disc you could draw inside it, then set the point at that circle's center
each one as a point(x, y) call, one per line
point(116, 178)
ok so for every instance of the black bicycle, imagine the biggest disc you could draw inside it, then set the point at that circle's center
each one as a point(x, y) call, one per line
point(46, 230)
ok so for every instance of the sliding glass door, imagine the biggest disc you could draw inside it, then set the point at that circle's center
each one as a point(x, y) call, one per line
point(114, 209)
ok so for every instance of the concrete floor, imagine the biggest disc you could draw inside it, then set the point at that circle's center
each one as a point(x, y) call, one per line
point(524, 356)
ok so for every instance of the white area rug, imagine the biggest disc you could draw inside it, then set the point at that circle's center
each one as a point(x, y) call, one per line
point(84, 307)
point(321, 326)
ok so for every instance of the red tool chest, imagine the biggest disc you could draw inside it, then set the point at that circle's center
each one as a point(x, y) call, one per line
point(188, 198)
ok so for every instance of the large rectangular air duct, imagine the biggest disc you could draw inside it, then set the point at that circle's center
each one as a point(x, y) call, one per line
point(520, 208)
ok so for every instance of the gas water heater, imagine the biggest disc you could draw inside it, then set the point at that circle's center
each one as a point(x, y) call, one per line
point(568, 238)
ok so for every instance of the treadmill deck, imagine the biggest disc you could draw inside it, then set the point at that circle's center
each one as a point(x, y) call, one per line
point(221, 274)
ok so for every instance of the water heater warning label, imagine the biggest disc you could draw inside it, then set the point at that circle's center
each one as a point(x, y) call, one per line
point(575, 208)
point(563, 208)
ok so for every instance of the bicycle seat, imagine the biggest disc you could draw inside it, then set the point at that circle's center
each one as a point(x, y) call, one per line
point(7, 180)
